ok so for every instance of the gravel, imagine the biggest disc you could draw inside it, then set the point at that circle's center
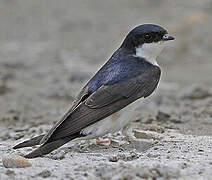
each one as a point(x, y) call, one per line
point(49, 49)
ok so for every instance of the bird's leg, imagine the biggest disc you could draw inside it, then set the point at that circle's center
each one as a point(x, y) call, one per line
point(127, 132)
point(102, 141)
point(99, 140)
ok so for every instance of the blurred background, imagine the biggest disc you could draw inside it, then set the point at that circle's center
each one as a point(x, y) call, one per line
point(49, 49)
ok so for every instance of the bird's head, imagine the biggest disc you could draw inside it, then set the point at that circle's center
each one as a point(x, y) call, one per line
point(147, 40)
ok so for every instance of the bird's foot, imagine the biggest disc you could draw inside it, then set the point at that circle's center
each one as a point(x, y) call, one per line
point(101, 141)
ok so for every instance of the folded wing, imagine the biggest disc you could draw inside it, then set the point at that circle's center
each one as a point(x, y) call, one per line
point(104, 102)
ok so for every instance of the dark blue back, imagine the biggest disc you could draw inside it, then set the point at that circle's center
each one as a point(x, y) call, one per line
point(120, 67)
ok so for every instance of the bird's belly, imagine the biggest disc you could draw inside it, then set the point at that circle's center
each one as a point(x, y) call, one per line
point(113, 123)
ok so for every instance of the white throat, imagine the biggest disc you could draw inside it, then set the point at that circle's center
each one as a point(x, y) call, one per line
point(150, 51)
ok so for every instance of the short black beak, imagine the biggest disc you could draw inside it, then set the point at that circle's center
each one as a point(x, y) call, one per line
point(167, 37)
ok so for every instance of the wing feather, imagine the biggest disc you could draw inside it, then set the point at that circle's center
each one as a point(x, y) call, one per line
point(81, 96)
point(104, 102)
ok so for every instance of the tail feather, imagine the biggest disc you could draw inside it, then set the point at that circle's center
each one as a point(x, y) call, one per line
point(31, 142)
point(48, 147)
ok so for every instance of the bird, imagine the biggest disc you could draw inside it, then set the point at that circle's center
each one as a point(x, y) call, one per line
point(131, 73)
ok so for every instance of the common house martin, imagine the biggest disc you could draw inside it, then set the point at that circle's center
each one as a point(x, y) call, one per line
point(131, 73)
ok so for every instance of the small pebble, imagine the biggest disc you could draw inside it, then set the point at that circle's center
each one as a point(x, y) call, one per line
point(163, 117)
point(10, 172)
point(142, 135)
point(45, 174)
point(15, 161)
point(208, 110)
point(58, 156)
point(146, 134)
point(114, 143)
point(156, 128)
point(201, 150)
point(113, 159)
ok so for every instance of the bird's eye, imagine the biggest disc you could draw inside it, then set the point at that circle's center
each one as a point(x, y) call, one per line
point(165, 36)
point(147, 36)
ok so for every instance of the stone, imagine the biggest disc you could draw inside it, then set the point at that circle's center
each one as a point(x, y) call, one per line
point(113, 159)
point(163, 117)
point(15, 161)
point(139, 134)
point(207, 110)
point(10, 172)
point(45, 174)
point(115, 143)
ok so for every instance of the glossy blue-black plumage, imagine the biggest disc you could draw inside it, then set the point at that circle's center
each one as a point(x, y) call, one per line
point(89, 108)
point(146, 33)
point(121, 67)
point(147, 28)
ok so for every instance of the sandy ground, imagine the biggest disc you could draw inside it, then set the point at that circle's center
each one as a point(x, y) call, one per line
point(49, 49)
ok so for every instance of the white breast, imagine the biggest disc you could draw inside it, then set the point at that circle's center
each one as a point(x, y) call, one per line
point(150, 51)
point(112, 123)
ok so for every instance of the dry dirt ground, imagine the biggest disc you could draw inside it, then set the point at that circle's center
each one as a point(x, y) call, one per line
point(49, 49)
